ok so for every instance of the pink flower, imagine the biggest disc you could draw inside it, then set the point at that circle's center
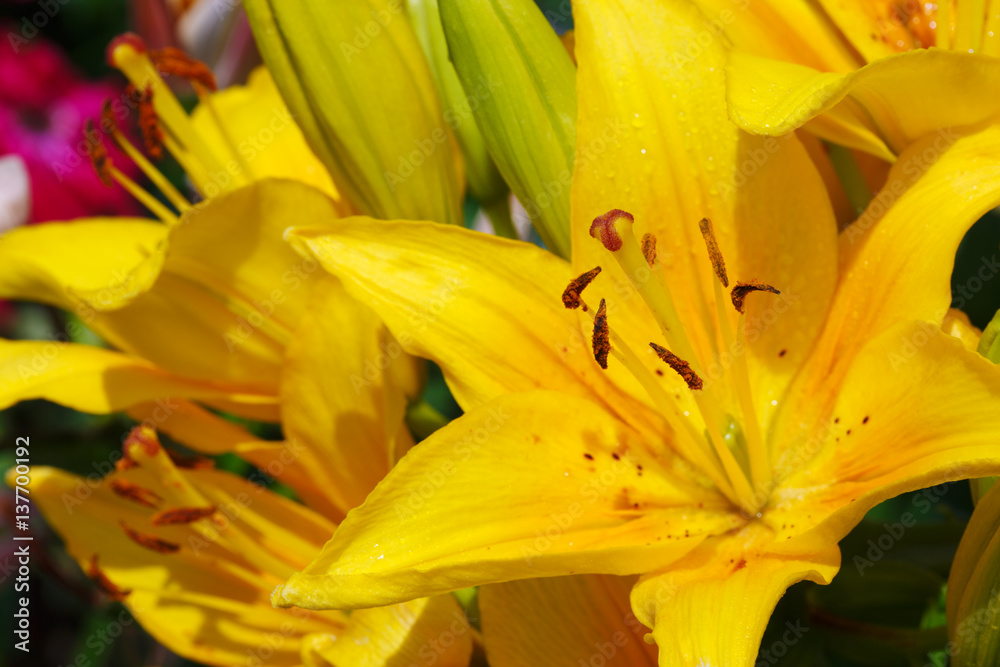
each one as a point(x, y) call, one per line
point(44, 104)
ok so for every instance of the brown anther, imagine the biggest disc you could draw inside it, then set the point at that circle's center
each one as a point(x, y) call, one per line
point(602, 336)
point(98, 154)
point(173, 61)
point(149, 122)
point(135, 493)
point(603, 228)
point(714, 254)
point(571, 295)
point(149, 541)
point(649, 249)
point(109, 125)
point(193, 462)
point(182, 515)
point(125, 39)
point(739, 293)
point(125, 463)
point(681, 367)
point(107, 586)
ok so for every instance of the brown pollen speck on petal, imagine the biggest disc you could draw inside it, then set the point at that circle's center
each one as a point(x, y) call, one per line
point(740, 292)
point(571, 295)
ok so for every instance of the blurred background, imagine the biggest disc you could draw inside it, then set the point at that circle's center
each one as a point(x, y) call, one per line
point(53, 77)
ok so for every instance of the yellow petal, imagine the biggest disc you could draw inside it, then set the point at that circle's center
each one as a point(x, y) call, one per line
point(426, 631)
point(917, 409)
point(672, 158)
point(215, 300)
point(716, 613)
point(92, 379)
point(563, 622)
point(338, 399)
point(448, 516)
point(56, 262)
point(261, 128)
point(900, 98)
point(934, 193)
point(487, 310)
point(203, 601)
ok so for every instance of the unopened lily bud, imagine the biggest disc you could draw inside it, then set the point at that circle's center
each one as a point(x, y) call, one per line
point(521, 86)
point(357, 82)
point(973, 605)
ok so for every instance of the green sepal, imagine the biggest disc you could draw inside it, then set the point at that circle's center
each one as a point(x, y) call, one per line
point(482, 177)
point(522, 81)
point(973, 604)
point(355, 77)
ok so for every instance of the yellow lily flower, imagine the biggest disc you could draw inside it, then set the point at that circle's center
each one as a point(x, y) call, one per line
point(732, 470)
point(214, 308)
point(193, 553)
point(874, 76)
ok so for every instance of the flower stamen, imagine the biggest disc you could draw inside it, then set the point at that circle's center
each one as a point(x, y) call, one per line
point(182, 515)
point(602, 336)
point(740, 292)
point(110, 125)
point(150, 542)
point(108, 174)
point(571, 295)
point(680, 366)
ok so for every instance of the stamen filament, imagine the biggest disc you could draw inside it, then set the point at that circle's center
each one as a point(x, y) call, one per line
point(151, 172)
point(615, 231)
point(149, 201)
point(688, 447)
point(757, 452)
point(128, 53)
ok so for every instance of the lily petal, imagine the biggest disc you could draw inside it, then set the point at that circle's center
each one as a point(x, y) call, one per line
point(459, 298)
point(200, 601)
point(95, 380)
point(337, 395)
point(738, 596)
point(901, 98)
point(563, 622)
point(613, 506)
point(261, 128)
point(897, 258)
point(426, 631)
point(917, 409)
point(667, 154)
